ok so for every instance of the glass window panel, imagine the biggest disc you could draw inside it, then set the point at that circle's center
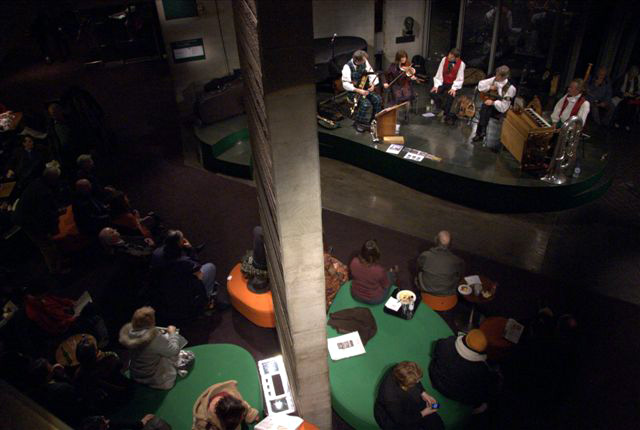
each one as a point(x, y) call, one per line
point(442, 31)
point(477, 32)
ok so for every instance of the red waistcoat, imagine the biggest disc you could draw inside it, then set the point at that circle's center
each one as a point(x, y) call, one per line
point(576, 106)
point(449, 77)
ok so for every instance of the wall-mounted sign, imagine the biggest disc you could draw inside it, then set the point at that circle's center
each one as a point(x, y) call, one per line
point(175, 9)
point(187, 50)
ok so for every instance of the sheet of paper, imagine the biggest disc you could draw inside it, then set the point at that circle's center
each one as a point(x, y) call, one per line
point(279, 422)
point(513, 330)
point(473, 279)
point(83, 301)
point(413, 157)
point(393, 304)
point(394, 149)
point(345, 346)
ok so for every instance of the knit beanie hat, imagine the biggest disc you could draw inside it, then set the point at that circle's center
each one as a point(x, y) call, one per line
point(476, 340)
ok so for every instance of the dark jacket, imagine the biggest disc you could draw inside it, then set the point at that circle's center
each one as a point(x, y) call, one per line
point(460, 373)
point(90, 214)
point(396, 409)
point(440, 271)
point(27, 165)
point(37, 210)
point(354, 319)
point(179, 293)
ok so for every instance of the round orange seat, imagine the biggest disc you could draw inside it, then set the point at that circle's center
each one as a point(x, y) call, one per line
point(497, 345)
point(306, 425)
point(439, 303)
point(257, 308)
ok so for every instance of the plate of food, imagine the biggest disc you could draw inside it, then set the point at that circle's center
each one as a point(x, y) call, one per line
point(465, 289)
point(406, 297)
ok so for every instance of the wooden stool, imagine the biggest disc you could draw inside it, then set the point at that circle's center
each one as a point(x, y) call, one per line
point(497, 346)
point(257, 308)
point(439, 303)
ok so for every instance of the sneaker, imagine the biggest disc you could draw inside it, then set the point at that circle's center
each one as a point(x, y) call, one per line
point(627, 128)
point(616, 125)
point(478, 137)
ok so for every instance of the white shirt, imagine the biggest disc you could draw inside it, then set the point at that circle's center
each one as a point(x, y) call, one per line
point(583, 112)
point(438, 79)
point(347, 84)
point(501, 105)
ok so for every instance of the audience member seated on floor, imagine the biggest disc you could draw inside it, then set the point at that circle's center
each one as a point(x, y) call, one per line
point(403, 403)
point(63, 138)
point(221, 407)
point(459, 370)
point(152, 351)
point(98, 378)
point(86, 170)
point(127, 219)
point(132, 246)
point(90, 214)
point(50, 386)
point(26, 164)
point(599, 94)
point(56, 316)
point(183, 286)
point(37, 213)
point(370, 281)
point(439, 270)
point(336, 273)
point(629, 96)
point(148, 422)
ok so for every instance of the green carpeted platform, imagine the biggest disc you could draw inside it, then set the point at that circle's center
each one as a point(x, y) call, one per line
point(354, 381)
point(214, 363)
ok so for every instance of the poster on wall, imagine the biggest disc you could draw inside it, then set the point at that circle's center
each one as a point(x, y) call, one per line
point(187, 50)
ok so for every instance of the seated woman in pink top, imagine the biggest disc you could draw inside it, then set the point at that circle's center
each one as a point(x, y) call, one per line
point(370, 281)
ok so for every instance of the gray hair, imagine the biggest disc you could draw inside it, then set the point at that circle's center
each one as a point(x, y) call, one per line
point(52, 170)
point(360, 55)
point(503, 71)
point(82, 158)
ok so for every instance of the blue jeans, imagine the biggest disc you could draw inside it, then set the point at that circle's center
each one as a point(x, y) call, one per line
point(209, 278)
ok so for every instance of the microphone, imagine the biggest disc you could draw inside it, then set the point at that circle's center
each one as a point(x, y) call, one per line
point(333, 39)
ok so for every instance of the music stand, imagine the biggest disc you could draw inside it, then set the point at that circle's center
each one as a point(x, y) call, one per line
point(386, 120)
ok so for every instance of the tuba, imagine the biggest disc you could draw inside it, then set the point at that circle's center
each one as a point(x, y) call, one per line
point(564, 155)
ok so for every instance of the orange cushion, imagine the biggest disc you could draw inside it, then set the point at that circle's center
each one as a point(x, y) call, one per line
point(257, 308)
point(69, 238)
point(497, 345)
point(307, 426)
point(439, 303)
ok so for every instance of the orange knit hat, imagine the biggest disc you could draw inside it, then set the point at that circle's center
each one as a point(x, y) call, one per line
point(476, 340)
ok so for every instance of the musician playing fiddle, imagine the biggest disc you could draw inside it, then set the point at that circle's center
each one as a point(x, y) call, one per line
point(447, 81)
point(359, 80)
point(497, 93)
point(400, 77)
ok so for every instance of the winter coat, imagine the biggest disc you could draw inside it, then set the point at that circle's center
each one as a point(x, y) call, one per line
point(460, 373)
point(205, 420)
point(153, 355)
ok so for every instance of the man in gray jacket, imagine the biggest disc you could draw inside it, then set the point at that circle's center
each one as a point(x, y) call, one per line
point(440, 270)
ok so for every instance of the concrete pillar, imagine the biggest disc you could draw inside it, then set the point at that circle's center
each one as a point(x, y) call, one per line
point(275, 43)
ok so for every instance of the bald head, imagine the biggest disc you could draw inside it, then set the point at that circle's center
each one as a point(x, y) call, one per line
point(443, 239)
point(83, 186)
point(109, 236)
